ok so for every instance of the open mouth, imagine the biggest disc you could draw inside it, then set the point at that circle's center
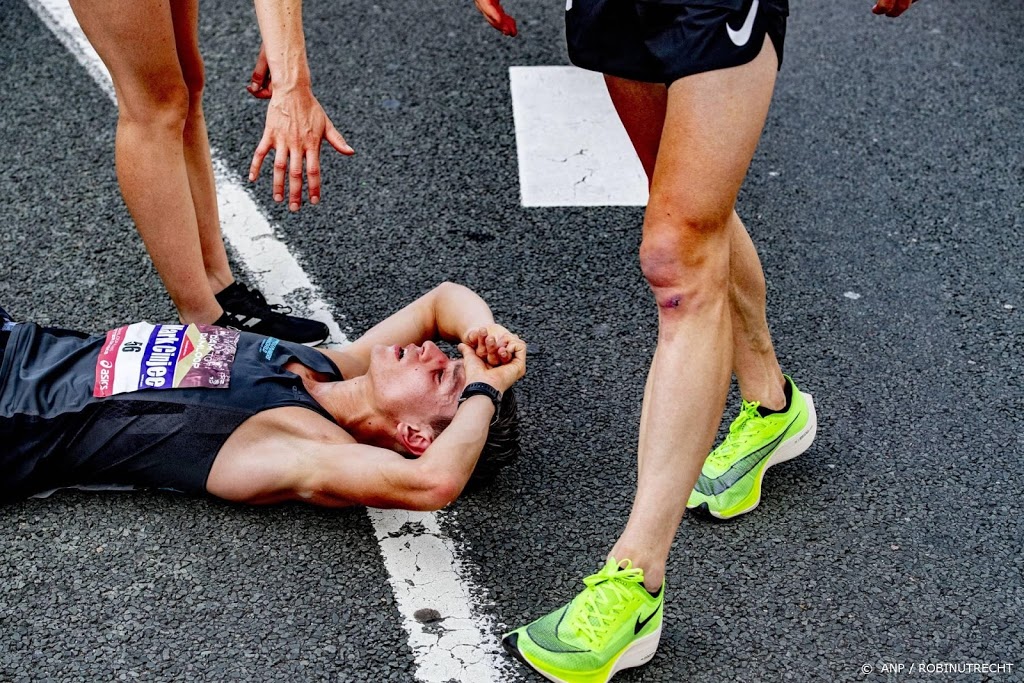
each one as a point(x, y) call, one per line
point(400, 353)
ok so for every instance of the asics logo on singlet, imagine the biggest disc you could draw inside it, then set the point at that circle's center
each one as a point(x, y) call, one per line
point(740, 37)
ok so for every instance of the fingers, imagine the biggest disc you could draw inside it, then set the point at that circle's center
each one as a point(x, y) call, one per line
point(294, 180)
point(891, 8)
point(335, 140)
point(517, 349)
point(497, 353)
point(257, 158)
point(295, 129)
point(259, 83)
point(280, 168)
point(496, 16)
point(473, 363)
point(313, 174)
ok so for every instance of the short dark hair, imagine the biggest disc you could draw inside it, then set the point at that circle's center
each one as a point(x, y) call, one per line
point(502, 445)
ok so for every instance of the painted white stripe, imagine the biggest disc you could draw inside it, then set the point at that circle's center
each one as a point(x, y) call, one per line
point(411, 542)
point(424, 568)
point(572, 148)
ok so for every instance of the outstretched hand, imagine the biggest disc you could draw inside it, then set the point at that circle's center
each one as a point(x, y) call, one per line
point(496, 16)
point(296, 127)
point(892, 8)
point(500, 377)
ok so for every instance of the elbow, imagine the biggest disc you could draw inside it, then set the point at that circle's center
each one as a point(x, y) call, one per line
point(438, 491)
point(448, 287)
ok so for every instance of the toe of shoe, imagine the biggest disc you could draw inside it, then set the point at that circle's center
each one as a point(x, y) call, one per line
point(696, 500)
point(510, 642)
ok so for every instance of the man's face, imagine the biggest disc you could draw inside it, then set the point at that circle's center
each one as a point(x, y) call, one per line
point(418, 385)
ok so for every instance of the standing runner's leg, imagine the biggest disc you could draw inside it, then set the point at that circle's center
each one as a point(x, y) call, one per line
point(641, 108)
point(712, 122)
point(753, 354)
point(136, 41)
point(185, 15)
point(712, 125)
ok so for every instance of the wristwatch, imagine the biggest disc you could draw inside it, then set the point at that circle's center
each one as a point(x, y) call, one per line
point(482, 389)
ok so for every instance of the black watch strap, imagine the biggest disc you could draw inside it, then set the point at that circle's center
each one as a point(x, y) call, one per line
point(482, 389)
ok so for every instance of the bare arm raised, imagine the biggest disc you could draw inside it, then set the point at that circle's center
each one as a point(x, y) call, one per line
point(449, 311)
point(296, 123)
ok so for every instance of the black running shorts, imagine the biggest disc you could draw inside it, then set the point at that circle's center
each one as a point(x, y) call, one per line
point(661, 41)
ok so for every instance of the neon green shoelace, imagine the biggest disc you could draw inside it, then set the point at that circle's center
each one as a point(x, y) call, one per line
point(738, 434)
point(606, 595)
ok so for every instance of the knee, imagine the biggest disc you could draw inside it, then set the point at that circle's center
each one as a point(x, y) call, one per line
point(162, 103)
point(685, 259)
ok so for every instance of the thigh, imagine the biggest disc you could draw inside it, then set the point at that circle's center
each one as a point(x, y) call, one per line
point(713, 121)
point(185, 17)
point(136, 41)
point(641, 109)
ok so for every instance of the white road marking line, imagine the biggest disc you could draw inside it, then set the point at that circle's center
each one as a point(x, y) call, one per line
point(424, 569)
point(572, 149)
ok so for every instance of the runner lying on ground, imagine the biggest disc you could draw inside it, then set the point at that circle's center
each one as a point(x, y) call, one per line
point(388, 421)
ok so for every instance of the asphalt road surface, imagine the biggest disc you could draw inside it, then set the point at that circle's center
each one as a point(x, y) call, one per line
point(886, 200)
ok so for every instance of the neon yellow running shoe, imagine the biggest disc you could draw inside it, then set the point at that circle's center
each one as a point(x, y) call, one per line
point(730, 481)
point(614, 624)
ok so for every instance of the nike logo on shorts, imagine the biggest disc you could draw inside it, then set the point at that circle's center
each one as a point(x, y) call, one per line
point(740, 37)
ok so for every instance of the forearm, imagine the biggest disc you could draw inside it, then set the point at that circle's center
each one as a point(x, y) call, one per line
point(449, 461)
point(458, 309)
point(281, 27)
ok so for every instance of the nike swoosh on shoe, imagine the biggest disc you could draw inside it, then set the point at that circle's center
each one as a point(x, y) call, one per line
point(544, 641)
point(640, 624)
point(740, 468)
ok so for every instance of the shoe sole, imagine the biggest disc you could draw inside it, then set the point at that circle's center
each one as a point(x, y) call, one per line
point(315, 343)
point(638, 653)
point(787, 450)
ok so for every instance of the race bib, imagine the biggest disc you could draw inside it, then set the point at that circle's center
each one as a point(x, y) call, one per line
point(142, 356)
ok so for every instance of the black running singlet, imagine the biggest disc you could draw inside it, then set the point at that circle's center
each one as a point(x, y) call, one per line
point(55, 434)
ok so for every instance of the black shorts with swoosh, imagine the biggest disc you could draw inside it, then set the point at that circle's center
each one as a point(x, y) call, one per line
point(661, 41)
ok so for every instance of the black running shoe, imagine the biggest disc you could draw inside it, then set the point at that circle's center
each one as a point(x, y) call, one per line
point(247, 310)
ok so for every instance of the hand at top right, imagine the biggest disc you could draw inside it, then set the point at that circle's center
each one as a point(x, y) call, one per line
point(496, 16)
point(892, 8)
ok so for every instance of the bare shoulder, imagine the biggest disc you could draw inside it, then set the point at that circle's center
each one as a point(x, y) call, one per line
point(352, 360)
point(266, 458)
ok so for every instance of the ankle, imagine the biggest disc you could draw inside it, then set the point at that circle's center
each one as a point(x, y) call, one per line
point(773, 396)
point(203, 315)
point(219, 281)
point(654, 572)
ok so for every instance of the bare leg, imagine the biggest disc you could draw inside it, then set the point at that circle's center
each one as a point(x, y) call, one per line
point(641, 108)
point(136, 40)
point(185, 15)
point(712, 124)
point(754, 362)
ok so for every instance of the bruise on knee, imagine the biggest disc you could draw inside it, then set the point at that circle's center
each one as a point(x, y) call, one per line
point(669, 301)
